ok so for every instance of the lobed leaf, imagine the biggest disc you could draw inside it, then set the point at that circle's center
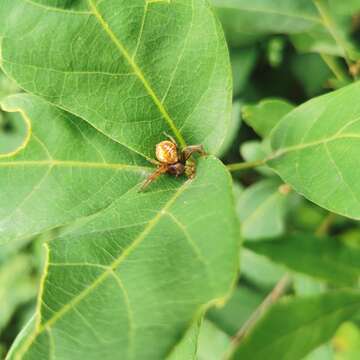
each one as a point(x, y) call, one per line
point(131, 271)
point(132, 70)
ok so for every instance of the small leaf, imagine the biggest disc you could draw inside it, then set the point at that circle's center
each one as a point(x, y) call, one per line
point(264, 17)
point(264, 116)
point(16, 286)
point(325, 259)
point(259, 270)
point(298, 325)
point(237, 310)
point(316, 150)
point(187, 347)
point(212, 342)
point(243, 62)
point(254, 150)
point(261, 210)
point(311, 71)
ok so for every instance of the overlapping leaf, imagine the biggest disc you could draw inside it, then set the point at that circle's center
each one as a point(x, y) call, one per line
point(298, 325)
point(132, 271)
point(128, 68)
point(325, 259)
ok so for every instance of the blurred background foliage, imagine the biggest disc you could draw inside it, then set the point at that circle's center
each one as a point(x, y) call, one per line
point(282, 54)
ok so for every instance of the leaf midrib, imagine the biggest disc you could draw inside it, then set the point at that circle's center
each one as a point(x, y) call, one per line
point(283, 151)
point(75, 164)
point(309, 323)
point(109, 272)
point(138, 72)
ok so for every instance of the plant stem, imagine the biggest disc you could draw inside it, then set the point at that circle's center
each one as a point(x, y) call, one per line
point(245, 165)
point(331, 27)
point(278, 290)
point(324, 227)
point(334, 66)
point(270, 299)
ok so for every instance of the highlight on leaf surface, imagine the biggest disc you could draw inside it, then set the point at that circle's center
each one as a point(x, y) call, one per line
point(130, 273)
point(316, 149)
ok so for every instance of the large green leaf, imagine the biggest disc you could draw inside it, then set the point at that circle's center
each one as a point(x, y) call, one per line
point(295, 326)
point(326, 259)
point(316, 150)
point(132, 273)
point(66, 170)
point(130, 71)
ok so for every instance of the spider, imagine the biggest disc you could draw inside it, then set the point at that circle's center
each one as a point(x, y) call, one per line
point(172, 161)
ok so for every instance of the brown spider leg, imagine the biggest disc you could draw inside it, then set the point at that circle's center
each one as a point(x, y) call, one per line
point(192, 149)
point(162, 169)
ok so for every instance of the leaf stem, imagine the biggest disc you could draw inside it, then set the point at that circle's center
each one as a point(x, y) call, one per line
point(245, 165)
point(278, 290)
point(334, 66)
point(270, 299)
point(331, 27)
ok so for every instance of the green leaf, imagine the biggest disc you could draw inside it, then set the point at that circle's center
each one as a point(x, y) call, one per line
point(232, 130)
point(316, 150)
point(259, 270)
point(65, 170)
point(187, 347)
point(254, 150)
point(12, 132)
point(325, 259)
point(265, 115)
point(263, 17)
point(261, 210)
point(212, 342)
point(237, 310)
point(298, 325)
point(16, 286)
point(166, 239)
point(347, 342)
point(311, 71)
point(142, 83)
point(243, 62)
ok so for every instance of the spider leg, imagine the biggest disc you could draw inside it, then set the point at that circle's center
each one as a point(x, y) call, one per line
point(152, 177)
point(192, 149)
point(170, 138)
point(190, 170)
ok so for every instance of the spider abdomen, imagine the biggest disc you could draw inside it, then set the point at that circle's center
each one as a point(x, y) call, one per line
point(166, 152)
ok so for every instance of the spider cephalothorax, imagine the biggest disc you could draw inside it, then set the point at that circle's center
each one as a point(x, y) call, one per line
point(172, 161)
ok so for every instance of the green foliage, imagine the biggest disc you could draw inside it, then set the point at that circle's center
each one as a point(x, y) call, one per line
point(302, 324)
point(261, 210)
point(264, 116)
point(326, 259)
point(315, 150)
point(87, 90)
